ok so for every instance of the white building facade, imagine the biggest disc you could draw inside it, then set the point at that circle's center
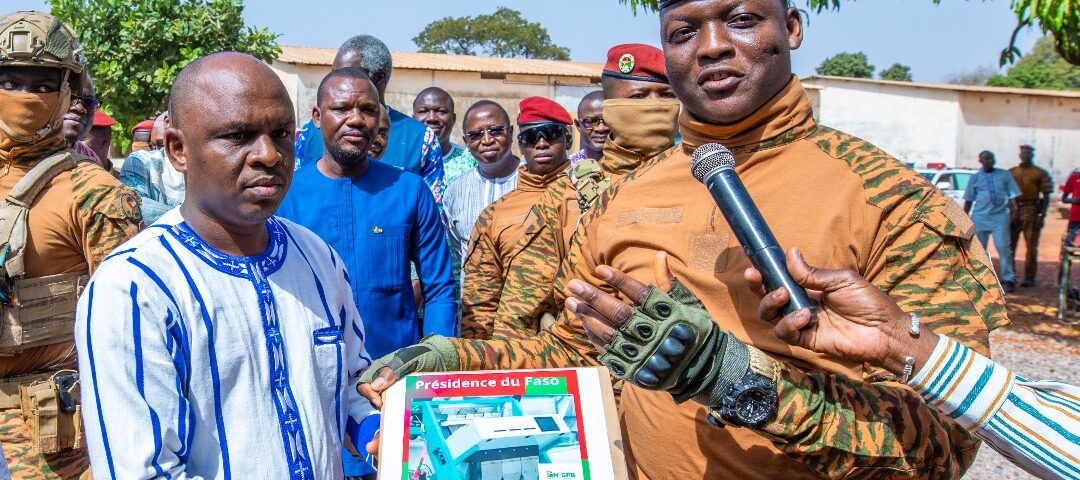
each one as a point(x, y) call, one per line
point(930, 123)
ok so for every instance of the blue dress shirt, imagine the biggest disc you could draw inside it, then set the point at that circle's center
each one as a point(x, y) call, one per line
point(378, 222)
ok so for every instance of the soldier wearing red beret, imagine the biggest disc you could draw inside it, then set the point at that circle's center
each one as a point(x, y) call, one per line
point(100, 137)
point(545, 135)
point(140, 135)
point(636, 116)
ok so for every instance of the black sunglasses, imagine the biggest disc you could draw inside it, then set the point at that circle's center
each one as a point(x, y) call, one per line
point(477, 135)
point(550, 132)
point(89, 103)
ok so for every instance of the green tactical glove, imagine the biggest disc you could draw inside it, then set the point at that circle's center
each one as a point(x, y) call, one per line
point(434, 353)
point(672, 343)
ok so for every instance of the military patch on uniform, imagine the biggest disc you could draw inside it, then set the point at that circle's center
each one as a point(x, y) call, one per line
point(960, 220)
point(649, 216)
point(708, 252)
point(127, 204)
point(626, 63)
point(515, 220)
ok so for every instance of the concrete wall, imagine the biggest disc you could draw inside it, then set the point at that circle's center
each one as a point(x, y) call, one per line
point(466, 88)
point(1001, 123)
point(922, 125)
point(915, 125)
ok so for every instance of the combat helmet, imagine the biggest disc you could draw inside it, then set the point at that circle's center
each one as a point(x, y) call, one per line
point(37, 39)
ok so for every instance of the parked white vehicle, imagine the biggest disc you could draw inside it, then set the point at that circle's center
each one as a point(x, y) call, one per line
point(952, 181)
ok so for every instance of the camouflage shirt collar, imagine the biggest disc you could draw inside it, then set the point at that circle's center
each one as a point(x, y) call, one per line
point(785, 118)
point(529, 181)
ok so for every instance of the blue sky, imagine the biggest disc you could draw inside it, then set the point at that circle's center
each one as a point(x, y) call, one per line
point(959, 35)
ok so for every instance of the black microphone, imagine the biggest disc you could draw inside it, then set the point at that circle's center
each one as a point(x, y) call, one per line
point(714, 165)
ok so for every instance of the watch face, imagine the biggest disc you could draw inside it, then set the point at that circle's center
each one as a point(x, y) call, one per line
point(754, 406)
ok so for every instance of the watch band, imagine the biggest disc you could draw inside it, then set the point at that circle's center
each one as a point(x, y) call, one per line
point(764, 365)
point(761, 378)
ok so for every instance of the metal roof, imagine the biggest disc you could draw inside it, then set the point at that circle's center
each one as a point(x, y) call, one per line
point(456, 63)
point(953, 87)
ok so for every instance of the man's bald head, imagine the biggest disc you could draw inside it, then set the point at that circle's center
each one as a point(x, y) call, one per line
point(435, 93)
point(590, 100)
point(231, 133)
point(230, 70)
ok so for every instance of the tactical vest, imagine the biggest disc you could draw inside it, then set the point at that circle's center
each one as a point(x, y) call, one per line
point(589, 181)
point(36, 311)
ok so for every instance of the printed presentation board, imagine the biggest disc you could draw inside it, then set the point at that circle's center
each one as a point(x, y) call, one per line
point(515, 424)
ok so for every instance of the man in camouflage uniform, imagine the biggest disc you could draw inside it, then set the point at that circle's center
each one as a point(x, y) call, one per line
point(1030, 215)
point(730, 65)
point(544, 138)
point(79, 215)
point(641, 114)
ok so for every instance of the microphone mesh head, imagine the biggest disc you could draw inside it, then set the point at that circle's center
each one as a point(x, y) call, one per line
point(709, 157)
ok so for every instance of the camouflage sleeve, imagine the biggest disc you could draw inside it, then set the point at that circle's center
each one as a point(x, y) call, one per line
point(846, 428)
point(527, 292)
point(108, 213)
point(483, 278)
point(563, 344)
point(926, 258)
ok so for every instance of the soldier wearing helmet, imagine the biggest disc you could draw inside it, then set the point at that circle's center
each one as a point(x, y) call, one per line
point(60, 215)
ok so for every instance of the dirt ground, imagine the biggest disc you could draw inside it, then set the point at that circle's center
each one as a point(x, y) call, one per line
point(1036, 346)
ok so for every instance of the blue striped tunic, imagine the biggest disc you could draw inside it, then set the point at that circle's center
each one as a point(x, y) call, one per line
point(198, 364)
point(1036, 425)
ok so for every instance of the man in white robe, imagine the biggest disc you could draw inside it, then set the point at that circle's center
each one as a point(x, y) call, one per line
point(222, 342)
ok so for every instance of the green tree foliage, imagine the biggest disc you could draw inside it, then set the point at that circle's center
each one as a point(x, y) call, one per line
point(1043, 67)
point(846, 64)
point(897, 72)
point(136, 47)
point(504, 33)
point(1059, 17)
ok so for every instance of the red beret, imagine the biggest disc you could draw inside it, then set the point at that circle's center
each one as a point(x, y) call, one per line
point(636, 61)
point(102, 119)
point(542, 110)
point(143, 125)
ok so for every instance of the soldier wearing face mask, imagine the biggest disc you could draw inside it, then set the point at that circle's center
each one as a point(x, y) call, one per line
point(640, 114)
point(60, 215)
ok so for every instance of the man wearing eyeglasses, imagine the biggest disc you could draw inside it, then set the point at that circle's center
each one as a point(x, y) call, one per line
point(488, 135)
point(79, 119)
point(591, 126)
point(544, 138)
point(152, 176)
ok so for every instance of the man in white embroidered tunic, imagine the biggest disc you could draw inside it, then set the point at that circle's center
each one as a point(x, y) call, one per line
point(222, 342)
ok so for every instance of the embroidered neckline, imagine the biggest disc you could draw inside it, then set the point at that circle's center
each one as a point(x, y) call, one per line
point(266, 263)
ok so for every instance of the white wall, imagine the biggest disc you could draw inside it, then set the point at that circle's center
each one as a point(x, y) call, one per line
point(1001, 123)
point(915, 125)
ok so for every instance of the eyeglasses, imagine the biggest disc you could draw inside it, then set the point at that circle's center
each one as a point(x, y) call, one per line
point(159, 145)
point(550, 132)
point(89, 103)
point(592, 122)
point(477, 135)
